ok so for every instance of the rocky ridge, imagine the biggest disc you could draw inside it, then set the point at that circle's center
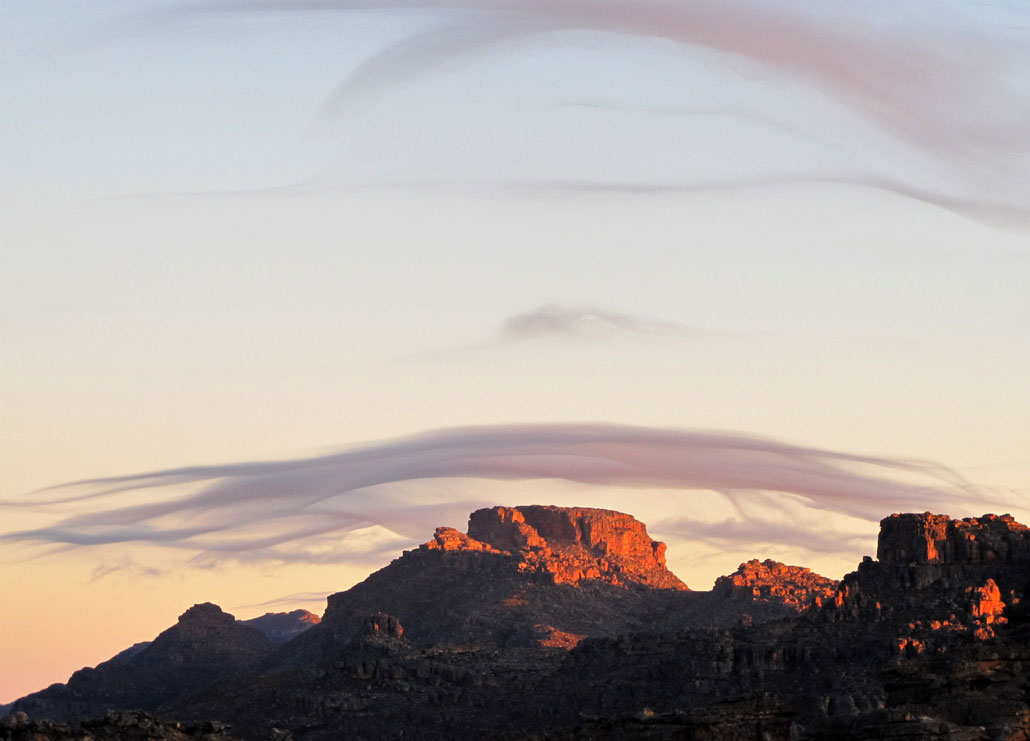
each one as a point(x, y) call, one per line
point(929, 642)
point(205, 645)
point(547, 623)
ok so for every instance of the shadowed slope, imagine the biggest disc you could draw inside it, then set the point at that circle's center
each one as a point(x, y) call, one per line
point(206, 645)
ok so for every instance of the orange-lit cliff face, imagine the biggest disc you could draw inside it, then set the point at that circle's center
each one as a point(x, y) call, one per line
point(794, 586)
point(571, 544)
point(936, 578)
point(937, 539)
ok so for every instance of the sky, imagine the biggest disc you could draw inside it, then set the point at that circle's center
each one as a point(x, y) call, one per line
point(286, 285)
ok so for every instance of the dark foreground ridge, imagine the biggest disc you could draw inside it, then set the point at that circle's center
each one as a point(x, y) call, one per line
point(560, 623)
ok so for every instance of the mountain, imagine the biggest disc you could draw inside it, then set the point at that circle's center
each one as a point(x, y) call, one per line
point(547, 622)
point(205, 645)
point(278, 627)
point(533, 576)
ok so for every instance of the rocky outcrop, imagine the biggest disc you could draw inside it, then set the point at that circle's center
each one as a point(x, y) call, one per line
point(571, 544)
point(449, 539)
point(280, 627)
point(935, 575)
point(937, 539)
point(793, 586)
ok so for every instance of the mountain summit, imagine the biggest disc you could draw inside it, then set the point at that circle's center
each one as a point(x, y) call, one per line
point(571, 544)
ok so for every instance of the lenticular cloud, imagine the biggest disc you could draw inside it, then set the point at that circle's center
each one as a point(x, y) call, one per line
point(315, 509)
point(927, 79)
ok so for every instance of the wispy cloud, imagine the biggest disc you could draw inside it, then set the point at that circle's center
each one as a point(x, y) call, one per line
point(124, 566)
point(288, 600)
point(553, 320)
point(318, 509)
point(748, 534)
point(903, 77)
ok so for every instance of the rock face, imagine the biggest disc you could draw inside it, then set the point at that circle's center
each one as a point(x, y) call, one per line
point(965, 572)
point(793, 586)
point(937, 539)
point(570, 544)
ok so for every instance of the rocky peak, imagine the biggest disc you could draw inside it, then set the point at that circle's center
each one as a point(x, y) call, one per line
point(449, 539)
point(794, 586)
point(568, 543)
point(927, 538)
point(203, 619)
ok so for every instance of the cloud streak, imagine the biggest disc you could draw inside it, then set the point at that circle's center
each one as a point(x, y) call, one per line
point(553, 320)
point(735, 533)
point(904, 77)
point(321, 509)
point(574, 323)
point(884, 72)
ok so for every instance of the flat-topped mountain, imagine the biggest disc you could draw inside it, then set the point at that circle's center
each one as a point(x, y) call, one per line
point(570, 544)
point(528, 576)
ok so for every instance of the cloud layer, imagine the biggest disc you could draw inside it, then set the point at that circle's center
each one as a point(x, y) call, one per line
point(326, 508)
point(928, 80)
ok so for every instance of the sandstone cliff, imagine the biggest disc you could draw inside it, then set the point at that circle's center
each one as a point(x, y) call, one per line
point(793, 586)
point(570, 544)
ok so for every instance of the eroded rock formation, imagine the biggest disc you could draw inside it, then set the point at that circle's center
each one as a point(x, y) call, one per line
point(568, 543)
point(937, 539)
point(794, 586)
